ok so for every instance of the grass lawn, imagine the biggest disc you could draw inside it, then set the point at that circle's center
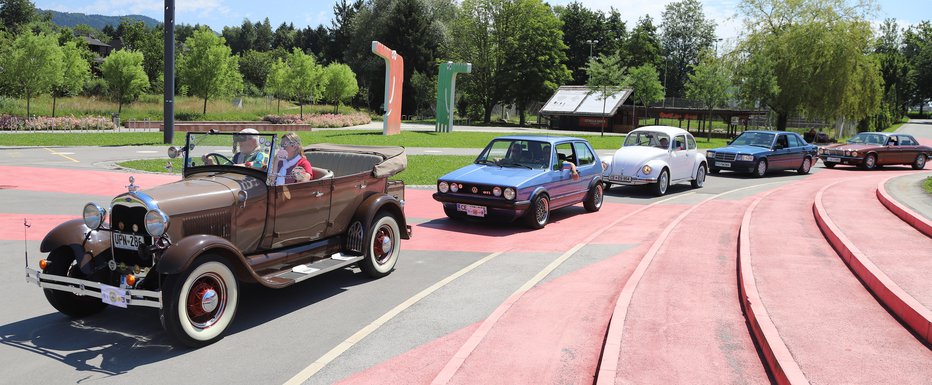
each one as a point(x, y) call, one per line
point(422, 169)
point(928, 185)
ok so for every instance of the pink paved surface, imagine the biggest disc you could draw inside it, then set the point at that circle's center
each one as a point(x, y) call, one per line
point(686, 306)
point(11, 225)
point(834, 328)
point(76, 181)
point(917, 220)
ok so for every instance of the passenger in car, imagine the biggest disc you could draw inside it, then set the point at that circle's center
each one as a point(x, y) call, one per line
point(290, 157)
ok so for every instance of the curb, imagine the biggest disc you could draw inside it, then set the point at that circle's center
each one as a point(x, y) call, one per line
point(778, 358)
point(916, 316)
point(909, 216)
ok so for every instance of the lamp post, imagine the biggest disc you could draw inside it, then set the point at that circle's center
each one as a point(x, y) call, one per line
point(716, 46)
point(591, 43)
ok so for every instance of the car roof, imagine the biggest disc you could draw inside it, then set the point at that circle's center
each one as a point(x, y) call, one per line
point(769, 132)
point(881, 133)
point(536, 138)
point(672, 131)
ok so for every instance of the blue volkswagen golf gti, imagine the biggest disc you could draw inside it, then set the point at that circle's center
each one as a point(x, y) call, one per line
point(524, 177)
point(758, 152)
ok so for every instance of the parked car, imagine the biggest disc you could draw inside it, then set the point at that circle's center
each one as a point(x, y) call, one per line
point(758, 152)
point(657, 156)
point(184, 247)
point(524, 177)
point(868, 150)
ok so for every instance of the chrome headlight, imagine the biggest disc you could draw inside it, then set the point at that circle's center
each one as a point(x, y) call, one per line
point(94, 215)
point(821, 151)
point(854, 153)
point(443, 187)
point(710, 154)
point(497, 191)
point(509, 193)
point(746, 158)
point(156, 223)
point(454, 187)
point(847, 153)
point(646, 170)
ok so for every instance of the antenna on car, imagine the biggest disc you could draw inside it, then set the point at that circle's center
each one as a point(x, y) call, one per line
point(26, 226)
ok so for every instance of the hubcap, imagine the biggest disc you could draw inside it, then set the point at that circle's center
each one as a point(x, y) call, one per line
point(598, 195)
point(383, 244)
point(806, 165)
point(761, 168)
point(700, 179)
point(206, 300)
point(921, 161)
point(870, 161)
point(209, 300)
point(663, 182)
point(543, 208)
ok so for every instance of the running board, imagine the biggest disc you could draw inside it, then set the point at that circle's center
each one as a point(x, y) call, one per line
point(309, 270)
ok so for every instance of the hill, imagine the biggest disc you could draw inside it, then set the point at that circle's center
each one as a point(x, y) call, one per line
point(68, 19)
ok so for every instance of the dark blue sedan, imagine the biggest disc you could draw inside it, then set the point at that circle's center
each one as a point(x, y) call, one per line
point(758, 152)
point(524, 177)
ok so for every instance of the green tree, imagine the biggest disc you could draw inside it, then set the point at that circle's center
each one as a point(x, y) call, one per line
point(339, 84)
point(277, 83)
point(75, 72)
point(606, 77)
point(255, 67)
point(31, 66)
point(917, 47)
point(263, 41)
point(425, 92)
point(341, 31)
point(686, 33)
point(709, 85)
point(125, 76)
point(808, 55)
point(16, 13)
point(410, 31)
point(646, 84)
point(147, 41)
point(894, 69)
point(581, 25)
point(305, 76)
point(643, 45)
point(208, 68)
point(284, 37)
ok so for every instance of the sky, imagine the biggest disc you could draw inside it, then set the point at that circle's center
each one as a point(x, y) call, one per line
point(220, 13)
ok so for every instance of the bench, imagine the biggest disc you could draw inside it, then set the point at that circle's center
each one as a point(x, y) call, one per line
point(342, 163)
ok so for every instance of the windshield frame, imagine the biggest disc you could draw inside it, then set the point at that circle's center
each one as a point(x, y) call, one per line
point(773, 137)
point(867, 135)
point(192, 142)
point(507, 160)
point(654, 140)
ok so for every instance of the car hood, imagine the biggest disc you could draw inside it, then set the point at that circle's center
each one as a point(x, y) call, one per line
point(492, 175)
point(851, 146)
point(749, 150)
point(196, 193)
point(627, 160)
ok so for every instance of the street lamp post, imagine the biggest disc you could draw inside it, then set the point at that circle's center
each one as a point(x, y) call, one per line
point(591, 43)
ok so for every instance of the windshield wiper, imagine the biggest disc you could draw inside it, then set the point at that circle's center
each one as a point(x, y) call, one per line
point(511, 162)
point(485, 161)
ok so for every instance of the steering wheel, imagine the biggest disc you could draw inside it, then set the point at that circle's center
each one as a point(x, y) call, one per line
point(218, 159)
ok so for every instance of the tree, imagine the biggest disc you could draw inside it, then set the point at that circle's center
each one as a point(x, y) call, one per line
point(646, 84)
point(425, 90)
point(277, 83)
point(208, 68)
point(341, 30)
point(709, 84)
point(894, 69)
point(643, 45)
point(686, 33)
point(808, 55)
point(284, 37)
point(305, 76)
point(581, 25)
point(125, 76)
point(16, 13)
point(32, 66)
point(416, 37)
point(477, 36)
point(606, 78)
point(917, 48)
point(255, 67)
point(137, 37)
point(263, 36)
point(339, 84)
point(75, 72)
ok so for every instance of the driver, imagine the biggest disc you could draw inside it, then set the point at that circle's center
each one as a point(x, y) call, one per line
point(664, 143)
point(248, 142)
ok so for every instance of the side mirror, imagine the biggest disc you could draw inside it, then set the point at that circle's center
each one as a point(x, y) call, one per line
point(567, 166)
point(174, 152)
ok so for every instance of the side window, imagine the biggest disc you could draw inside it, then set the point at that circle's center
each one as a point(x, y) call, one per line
point(679, 143)
point(907, 141)
point(585, 156)
point(565, 153)
point(794, 141)
point(782, 142)
point(691, 142)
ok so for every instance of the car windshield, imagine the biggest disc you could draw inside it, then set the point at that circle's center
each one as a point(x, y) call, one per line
point(865, 138)
point(757, 139)
point(229, 149)
point(516, 153)
point(648, 139)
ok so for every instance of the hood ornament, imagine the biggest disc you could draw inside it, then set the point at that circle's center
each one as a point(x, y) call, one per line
point(132, 186)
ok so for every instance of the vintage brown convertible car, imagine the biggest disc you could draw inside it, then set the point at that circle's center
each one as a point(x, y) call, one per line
point(869, 150)
point(184, 247)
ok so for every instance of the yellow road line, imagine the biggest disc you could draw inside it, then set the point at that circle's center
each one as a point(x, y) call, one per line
point(342, 347)
point(62, 155)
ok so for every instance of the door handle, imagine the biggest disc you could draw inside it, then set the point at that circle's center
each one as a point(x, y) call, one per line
point(361, 185)
point(317, 194)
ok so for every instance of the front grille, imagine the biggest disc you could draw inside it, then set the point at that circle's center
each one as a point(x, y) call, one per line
point(476, 189)
point(724, 156)
point(122, 220)
point(213, 223)
point(833, 152)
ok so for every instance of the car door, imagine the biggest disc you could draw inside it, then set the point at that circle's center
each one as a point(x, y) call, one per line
point(680, 161)
point(781, 157)
point(797, 151)
point(301, 212)
point(692, 151)
point(908, 148)
point(588, 168)
point(562, 186)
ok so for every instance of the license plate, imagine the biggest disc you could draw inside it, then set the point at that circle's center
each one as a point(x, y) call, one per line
point(831, 159)
point(471, 210)
point(619, 178)
point(722, 164)
point(127, 241)
point(113, 296)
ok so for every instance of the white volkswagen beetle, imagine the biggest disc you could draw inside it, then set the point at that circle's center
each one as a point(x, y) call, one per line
point(659, 156)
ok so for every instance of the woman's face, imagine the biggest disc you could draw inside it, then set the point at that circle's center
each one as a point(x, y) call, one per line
point(292, 147)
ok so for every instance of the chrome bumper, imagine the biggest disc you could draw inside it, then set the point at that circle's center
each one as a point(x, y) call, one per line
point(81, 287)
point(634, 181)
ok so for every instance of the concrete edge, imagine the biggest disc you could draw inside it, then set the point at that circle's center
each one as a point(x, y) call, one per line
point(909, 216)
point(916, 316)
point(778, 358)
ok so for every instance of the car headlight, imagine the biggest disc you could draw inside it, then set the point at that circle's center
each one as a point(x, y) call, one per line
point(509, 193)
point(454, 187)
point(746, 158)
point(497, 191)
point(94, 215)
point(710, 154)
point(156, 222)
point(821, 151)
point(646, 169)
point(854, 153)
point(847, 153)
point(604, 166)
point(443, 187)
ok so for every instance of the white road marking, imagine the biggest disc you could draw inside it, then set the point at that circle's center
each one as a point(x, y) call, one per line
point(433, 151)
point(147, 152)
point(342, 347)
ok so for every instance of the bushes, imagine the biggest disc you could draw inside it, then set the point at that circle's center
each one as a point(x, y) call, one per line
point(321, 120)
point(96, 87)
point(12, 123)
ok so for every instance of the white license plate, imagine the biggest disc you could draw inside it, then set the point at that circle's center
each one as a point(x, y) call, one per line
point(831, 159)
point(127, 241)
point(722, 164)
point(619, 178)
point(113, 296)
point(471, 210)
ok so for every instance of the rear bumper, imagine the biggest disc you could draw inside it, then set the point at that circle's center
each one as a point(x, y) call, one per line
point(81, 287)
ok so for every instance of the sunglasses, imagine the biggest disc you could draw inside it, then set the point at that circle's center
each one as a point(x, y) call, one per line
point(289, 144)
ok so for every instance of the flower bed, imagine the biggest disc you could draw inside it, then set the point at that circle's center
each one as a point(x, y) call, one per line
point(321, 120)
point(13, 123)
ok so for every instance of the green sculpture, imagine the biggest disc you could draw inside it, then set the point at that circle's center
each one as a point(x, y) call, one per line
point(446, 91)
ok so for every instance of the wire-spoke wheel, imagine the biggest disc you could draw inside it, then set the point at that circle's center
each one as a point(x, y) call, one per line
point(201, 302)
point(760, 168)
point(539, 212)
point(920, 162)
point(870, 162)
point(593, 200)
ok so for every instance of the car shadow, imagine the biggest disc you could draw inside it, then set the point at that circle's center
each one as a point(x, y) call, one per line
point(898, 167)
point(644, 192)
point(493, 227)
point(116, 341)
point(745, 175)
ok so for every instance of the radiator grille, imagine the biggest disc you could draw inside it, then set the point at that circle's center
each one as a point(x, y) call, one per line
point(213, 223)
point(725, 156)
